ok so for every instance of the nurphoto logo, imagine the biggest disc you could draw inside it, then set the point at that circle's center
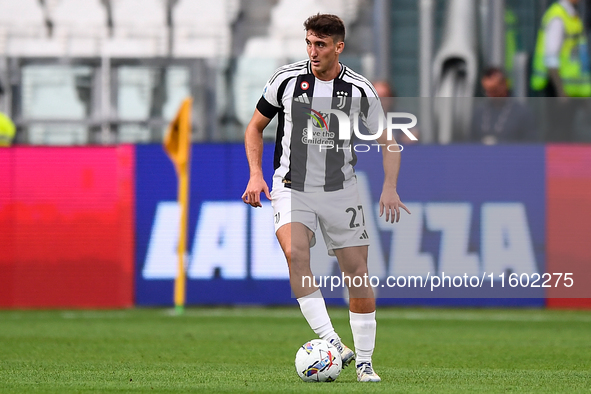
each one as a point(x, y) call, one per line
point(318, 133)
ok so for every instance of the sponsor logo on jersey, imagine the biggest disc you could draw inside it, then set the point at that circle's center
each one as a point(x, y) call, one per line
point(303, 98)
point(318, 119)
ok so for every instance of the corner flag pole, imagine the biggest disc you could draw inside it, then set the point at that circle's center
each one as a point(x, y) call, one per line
point(177, 144)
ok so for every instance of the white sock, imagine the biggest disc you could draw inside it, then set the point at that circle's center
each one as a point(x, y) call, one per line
point(314, 310)
point(363, 326)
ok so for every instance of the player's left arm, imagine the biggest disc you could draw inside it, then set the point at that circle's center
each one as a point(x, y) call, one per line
point(390, 200)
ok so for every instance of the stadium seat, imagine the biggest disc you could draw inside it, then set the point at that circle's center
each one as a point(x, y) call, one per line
point(135, 14)
point(134, 95)
point(287, 17)
point(202, 28)
point(51, 92)
point(347, 9)
point(23, 30)
point(139, 29)
point(178, 87)
point(252, 72)
point(23, 17)
point(80, 24)
point(135, 100)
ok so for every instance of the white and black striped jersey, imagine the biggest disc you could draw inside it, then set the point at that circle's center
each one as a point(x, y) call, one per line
point(325, 162)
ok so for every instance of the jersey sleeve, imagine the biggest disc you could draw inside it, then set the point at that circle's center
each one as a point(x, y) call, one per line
point(269, 103)
point(372, 113)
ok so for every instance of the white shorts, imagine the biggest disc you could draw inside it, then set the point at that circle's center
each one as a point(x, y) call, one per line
point(339, 213)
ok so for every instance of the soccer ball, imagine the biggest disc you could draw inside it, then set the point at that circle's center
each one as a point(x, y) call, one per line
point(318, 361)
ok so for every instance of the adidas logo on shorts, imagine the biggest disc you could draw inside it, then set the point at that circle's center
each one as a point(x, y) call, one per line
point(364, 235)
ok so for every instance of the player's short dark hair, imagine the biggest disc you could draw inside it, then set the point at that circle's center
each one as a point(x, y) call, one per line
point(325, 25)
point(490, 71)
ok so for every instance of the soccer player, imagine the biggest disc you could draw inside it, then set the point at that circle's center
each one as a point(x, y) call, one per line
point(314, 181)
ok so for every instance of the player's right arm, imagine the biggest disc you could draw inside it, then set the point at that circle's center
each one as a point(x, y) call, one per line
point(267, 107)
point(253, 143)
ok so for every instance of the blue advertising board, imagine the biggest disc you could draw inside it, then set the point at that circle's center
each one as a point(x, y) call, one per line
point(476, 211)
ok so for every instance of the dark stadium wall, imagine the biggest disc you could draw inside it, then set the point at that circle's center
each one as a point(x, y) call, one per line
point(66, 227)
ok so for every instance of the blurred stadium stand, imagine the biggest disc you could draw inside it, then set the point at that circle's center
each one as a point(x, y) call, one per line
point(139, 29)
point(81, 26)
point(203, 28)
point(24, 30)
point(119, 68)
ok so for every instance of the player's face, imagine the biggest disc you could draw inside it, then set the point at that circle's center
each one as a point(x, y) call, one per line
point(495, 85)
point(323, 52)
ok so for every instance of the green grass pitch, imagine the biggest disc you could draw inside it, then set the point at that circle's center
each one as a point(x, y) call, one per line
point(253, 350)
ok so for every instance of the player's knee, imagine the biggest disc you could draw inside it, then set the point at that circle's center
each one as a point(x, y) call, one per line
point(299, 254)
point(356, 271)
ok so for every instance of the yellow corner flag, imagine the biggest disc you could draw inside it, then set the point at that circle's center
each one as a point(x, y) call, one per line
point(177, 144)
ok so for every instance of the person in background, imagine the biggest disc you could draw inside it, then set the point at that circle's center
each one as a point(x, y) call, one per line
point(587, 23)
point(561, 66)
point(386, 94)
point(7, 130)
point(500, 118)
point(511, 43)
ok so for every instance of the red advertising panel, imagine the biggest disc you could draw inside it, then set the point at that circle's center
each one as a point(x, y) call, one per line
point(568, 172)
point(66, 227)
point(6, 222)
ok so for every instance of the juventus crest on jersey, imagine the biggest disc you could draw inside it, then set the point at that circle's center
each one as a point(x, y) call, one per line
point(317, 159)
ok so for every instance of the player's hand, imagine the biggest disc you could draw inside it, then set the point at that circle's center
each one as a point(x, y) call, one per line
point(391, 204)
point(252, 195)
